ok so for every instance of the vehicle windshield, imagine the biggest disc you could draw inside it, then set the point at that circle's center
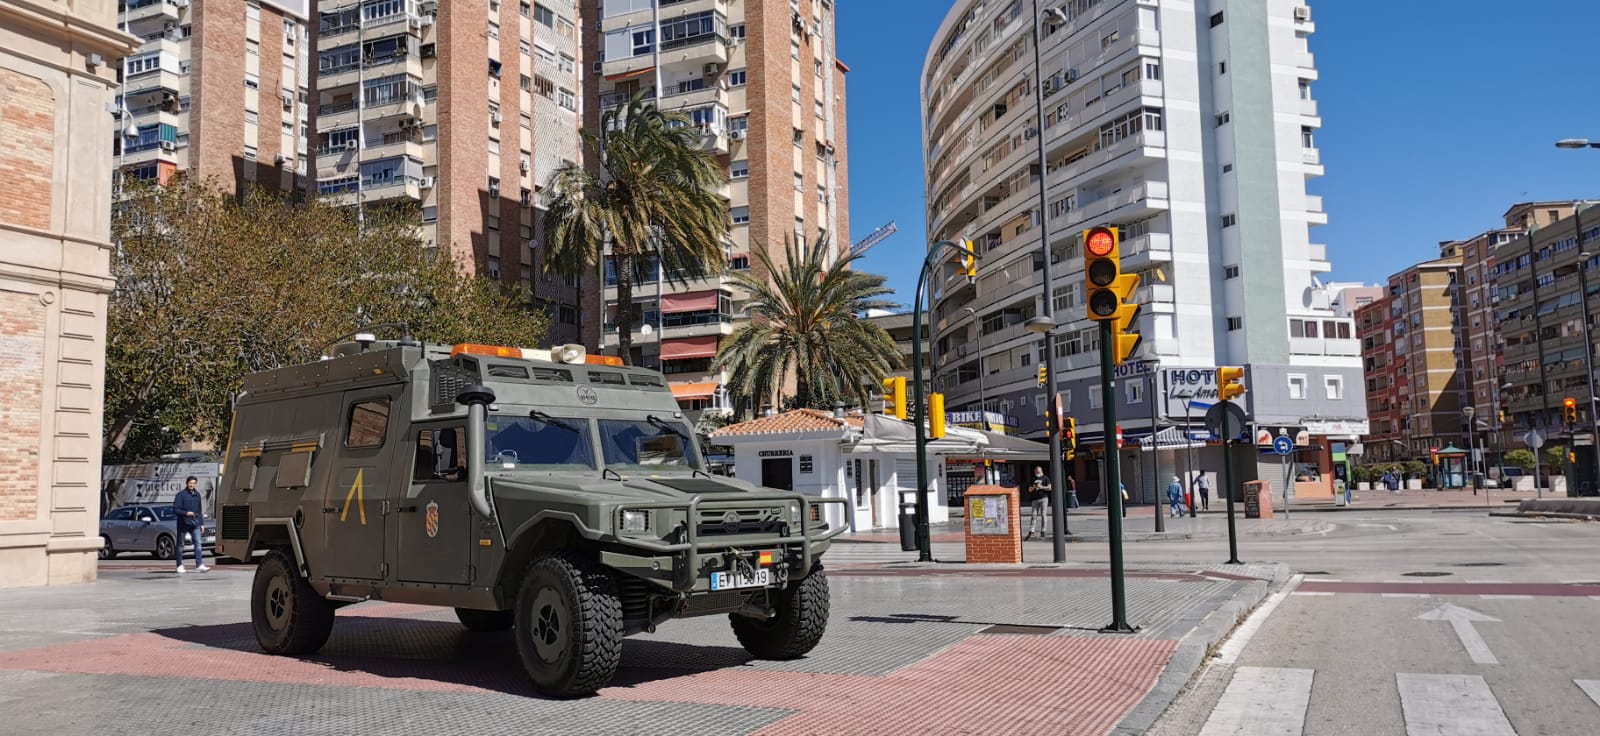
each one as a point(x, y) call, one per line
point(538, 442)
point(649, 443)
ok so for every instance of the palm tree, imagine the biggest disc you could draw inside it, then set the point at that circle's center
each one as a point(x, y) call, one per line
point(805, 323)
point(655, 196)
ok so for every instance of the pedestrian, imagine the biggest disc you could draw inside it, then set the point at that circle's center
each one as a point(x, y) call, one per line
point(1072, 492)
point(1040, 498)
point(1124, 490)
point(1175, 497)
point(1202, 486)
point(191, 521)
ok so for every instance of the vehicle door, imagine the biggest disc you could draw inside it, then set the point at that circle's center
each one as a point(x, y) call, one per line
point(144, 528)
point(118, 525)
point(435, 520)
point(355, 504)
point(167, 519)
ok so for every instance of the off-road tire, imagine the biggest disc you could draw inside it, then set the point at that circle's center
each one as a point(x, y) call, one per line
point(106, 550)
point(287, 615)
point(166, 547)
point(568, 626)
point(477, 620)
point(802, 617)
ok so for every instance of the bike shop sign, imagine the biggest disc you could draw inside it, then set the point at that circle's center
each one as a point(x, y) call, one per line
point(1196, 387)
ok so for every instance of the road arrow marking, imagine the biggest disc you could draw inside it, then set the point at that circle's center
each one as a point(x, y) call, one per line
point(1461, 619)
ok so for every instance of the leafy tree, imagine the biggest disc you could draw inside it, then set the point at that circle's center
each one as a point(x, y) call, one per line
point(655, 196)
point(1555, 456)
point(212, 287)
point(805, 326)
point(1520, 458)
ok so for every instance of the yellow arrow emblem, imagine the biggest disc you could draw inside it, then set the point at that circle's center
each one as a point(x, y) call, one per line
point(359, 495)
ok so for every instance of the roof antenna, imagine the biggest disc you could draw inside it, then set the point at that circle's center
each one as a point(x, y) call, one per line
point(405, 336)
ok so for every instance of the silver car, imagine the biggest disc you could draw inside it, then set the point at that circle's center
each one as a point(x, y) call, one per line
point(151, 529)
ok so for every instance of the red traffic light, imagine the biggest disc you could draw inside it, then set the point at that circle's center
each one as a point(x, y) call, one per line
point(1100, 242)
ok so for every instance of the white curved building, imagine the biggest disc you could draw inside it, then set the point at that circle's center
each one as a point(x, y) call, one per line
point(1190, 126)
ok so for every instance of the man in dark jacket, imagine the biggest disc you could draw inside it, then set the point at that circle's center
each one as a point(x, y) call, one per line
point(186, 506)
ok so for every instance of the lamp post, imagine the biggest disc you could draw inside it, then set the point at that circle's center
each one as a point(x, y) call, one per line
point(983, 397)
point(924, 541)
point(1058, 539)
point(1588, 344)
point(1468, 411)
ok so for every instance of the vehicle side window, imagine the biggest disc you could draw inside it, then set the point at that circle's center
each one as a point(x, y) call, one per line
point(165, 513)
point(368, 423)
point(123, 514)
point(440, 453)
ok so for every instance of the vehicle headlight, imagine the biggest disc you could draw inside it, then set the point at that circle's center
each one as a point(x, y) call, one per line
point(635, 521)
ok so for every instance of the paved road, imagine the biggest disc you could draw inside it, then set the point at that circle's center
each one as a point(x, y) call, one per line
point(1448, 623)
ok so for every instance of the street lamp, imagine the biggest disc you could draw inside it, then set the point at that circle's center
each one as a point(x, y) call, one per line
point(1045, 326)
point(1577, 143)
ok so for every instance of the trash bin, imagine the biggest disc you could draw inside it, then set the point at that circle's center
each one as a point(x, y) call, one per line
point(908, 526)
point(1341, 496)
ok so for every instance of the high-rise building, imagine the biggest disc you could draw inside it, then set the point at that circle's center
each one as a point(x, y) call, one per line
point(762, 81)
point(1190, 127)
point(460, 110)
point(218, 89)
point(58, 78)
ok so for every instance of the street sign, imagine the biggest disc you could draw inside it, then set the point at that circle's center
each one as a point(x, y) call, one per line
point(1236, 419)
point(1283, 445)
point(1533, 439)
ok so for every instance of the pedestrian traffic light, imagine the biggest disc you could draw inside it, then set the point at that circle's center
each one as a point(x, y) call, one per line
point(936, 416)
point(894, 397)
point(1229, 382)
point(1569, 410)
point(1108, 289)
point(1433, 454)
point(1043, 377)
point(969, 260)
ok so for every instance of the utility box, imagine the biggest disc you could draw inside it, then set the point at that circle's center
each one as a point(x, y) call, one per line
point(1257, 500)
point(993, 524)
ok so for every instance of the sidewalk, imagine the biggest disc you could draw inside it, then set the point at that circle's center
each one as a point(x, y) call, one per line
point(1497, 499)
point(142, 651)
point(1089, 524)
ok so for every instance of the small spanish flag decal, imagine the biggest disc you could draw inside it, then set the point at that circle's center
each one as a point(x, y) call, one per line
point(766, 559)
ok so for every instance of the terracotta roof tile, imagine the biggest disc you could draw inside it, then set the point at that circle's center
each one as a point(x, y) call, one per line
point(798, 420)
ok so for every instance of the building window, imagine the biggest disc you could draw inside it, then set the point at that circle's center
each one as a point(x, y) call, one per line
point(1152, 70)
point(799, 137)
point(794, 49)
point(1227, 168)
point(1235, 323)
point(1216, 19)
point(566, 99)
point(794, 93)
point(1094, 397)
point(1229, 220)
point(250, 153)
point(816, 67)
point(741, 215)
point(1223, 118)
point(524, 48)
point(491, 267)
point(737, 78)
point(494, 30)
point(252, 81)
point(1135, 392)
point(739, 124)
point(1307, 139)
point(799, 183)
point(1297, 386)
point(1230, 272)
point(1334, 386)
point(822, 194)
point(739, 170)
point(1222, 67)
point(526, 82)
point(544, 16)
point(739, 263)
point(568, 314)
point(524, 9)
point(1064, 297)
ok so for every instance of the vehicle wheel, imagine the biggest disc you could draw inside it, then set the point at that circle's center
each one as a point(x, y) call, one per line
point(568, 626)
point(106, 552)
point(802, 616)
point(477, 620)
point(165, 547)
point(287, 615)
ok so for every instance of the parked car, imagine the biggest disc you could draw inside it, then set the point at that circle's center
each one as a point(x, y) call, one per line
point(151, 529)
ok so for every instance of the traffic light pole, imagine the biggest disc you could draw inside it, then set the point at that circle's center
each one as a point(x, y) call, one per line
point(1227, 487)
point(924, 541)
point(1111, 481)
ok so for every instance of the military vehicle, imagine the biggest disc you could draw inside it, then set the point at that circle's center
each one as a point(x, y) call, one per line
point(549, 492)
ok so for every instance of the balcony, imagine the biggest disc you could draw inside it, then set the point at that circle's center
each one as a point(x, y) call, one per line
point(1155, 247)
point(1333, 346)
point(1308, 107)
point(141, 9)
point(1131, 203)
point(377, 190)
point(706, 48)
point(1314, 212)
point(682, 95)
point(1146, 146)
point(714, 140)
point(1311, 156)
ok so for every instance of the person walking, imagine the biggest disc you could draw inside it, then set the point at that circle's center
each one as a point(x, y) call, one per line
point(191, 521)
point(1072, 493)
point(1202, 487)
point(1124, 490)
point(1175, 497)
point(1039, 495)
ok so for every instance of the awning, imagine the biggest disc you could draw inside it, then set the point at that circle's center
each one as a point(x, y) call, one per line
point(694, 390)
point(685, 348)
point(697, 301)
point(630, 75)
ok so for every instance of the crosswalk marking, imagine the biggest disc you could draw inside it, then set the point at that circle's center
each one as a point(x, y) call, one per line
point(1590, 688)
point(1262, 701)
point(1450, 705)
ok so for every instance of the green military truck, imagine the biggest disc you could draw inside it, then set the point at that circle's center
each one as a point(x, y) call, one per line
point(552, 493)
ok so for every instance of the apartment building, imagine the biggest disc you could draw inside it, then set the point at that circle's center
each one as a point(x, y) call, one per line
point(217, 89)
point(1191, 127)
point(762, 80)
point(898, 325)
point(460, 111)
point(1388, 386)
point(58, 78)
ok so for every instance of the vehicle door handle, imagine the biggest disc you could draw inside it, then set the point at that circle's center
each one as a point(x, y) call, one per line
point(407, 509)
point(329, 510)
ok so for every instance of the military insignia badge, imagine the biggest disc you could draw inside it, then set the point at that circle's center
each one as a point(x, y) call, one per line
point(431, 520)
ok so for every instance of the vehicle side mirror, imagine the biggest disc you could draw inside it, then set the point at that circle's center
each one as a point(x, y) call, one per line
point(147, 519)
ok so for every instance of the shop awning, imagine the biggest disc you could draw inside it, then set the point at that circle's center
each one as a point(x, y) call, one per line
point(697, 301)
point(630, 75)
point(694, 390)
point(687, 348)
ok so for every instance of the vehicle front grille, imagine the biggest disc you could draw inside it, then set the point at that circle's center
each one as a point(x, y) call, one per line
point(235, 521)
point(718, 602)
point(718, 522)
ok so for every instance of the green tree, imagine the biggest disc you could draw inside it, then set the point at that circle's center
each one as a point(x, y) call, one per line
point(1520, 458)
point(805, 326)
point(211, 287)
point(655, 196)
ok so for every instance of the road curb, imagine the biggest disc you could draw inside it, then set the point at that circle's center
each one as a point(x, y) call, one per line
point(1194, 648)
point(1544, 515)
point(1312, 528)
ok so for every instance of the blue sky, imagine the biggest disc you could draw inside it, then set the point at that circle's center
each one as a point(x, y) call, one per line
point(1436, 115)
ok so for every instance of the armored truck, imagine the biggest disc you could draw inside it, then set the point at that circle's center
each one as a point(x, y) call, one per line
point(549, 492)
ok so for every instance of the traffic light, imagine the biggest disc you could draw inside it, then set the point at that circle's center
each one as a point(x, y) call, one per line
point(894, 397)
point(1042, 375)
point(1433, 454)
point(1071, 438)
point(969, 260)
point(1229, 378)
point(936, 416)
point(1108, 289)
point(1569, 410)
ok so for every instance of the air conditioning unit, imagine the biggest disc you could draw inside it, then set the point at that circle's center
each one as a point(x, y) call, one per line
point(1302, 13)
point(427, 50)
point(1072, 75)
point(281, 159)
point(169, 146)
point(428, 7)
point(351, 145)
point(180, 3)
point(426, 182)
point(712, 69)
point(288, 102)
point(524, 167)
point(425, 21)
point(494, 191)
point(736, 135)
point(494, 118)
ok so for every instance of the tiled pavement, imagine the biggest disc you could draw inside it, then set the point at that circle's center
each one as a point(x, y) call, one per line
point(909, 649)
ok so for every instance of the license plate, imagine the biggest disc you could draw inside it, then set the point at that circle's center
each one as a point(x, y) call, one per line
point(758, 578)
